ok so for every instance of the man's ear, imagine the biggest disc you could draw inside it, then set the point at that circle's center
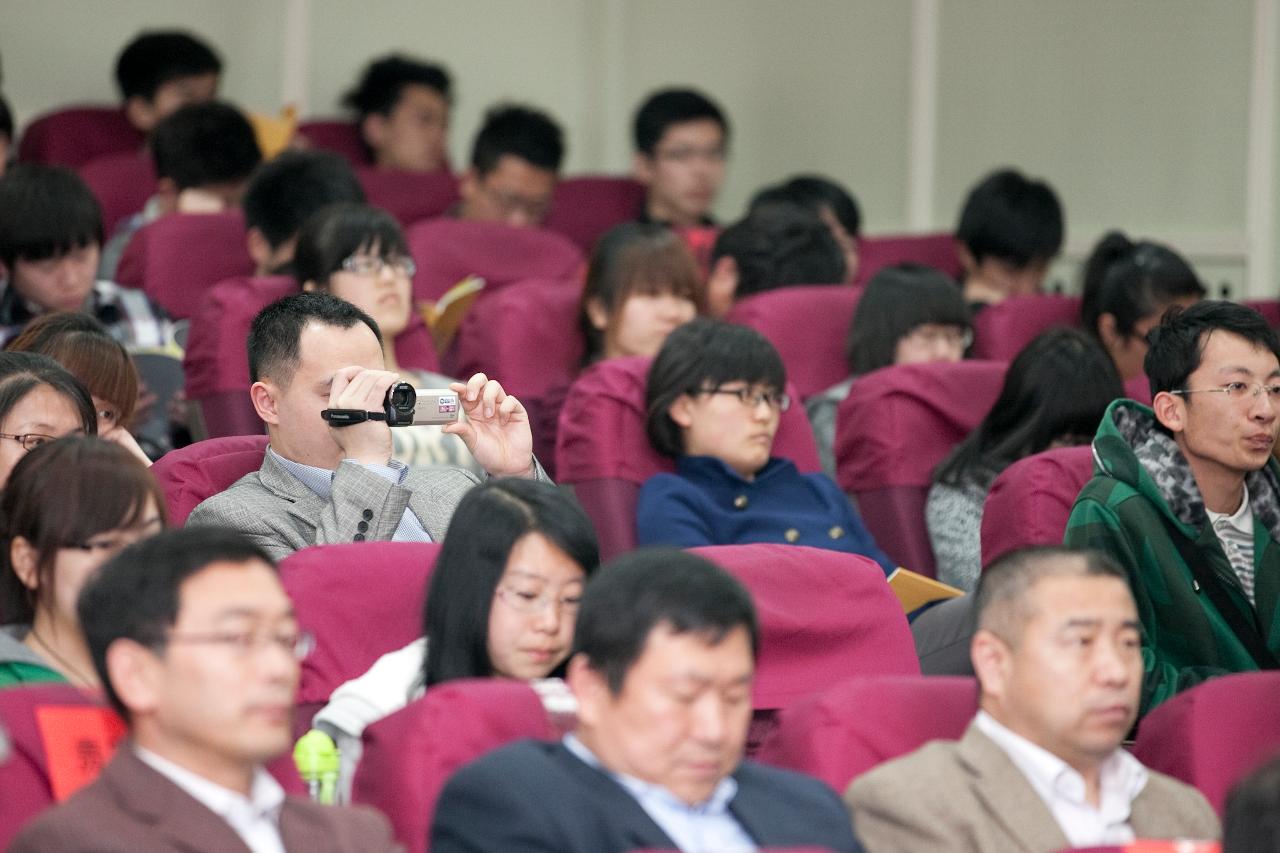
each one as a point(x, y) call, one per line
point(468, 185)
point(264, 396)
point(167, 191)
point(967, 262)
point(1107, 329)
point(1171, 411)
point(259, 249)
point(135, 675)
point(597, 314)
point(681, 411)
point(140, 113)
point(590, 687)
point(22, 555)
point(373, 129)
point(642, 168)
point(990, 657)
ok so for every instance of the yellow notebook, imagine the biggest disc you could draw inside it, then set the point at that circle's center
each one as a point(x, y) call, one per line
point(914, 590)
point(445, 314)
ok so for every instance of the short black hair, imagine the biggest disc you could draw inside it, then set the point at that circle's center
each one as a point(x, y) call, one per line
point(45, 212)
point(136, 594)
point(288, 189)
point(898, 299)
point(673, 106)
point(704, 353)
point(778, 245)
point(6, 120)
point(274, 337)
point(1132, 281)
point(1013, 218)
point(813, 193)
point(518, 131)
point(201, 145)
point(1177, 344)
point(1251, 819)
point(155, 58)
point(336, 232)
point(652, 588)
point(384, 79)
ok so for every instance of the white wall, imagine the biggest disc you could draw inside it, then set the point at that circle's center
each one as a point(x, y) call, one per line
point(1138, 112)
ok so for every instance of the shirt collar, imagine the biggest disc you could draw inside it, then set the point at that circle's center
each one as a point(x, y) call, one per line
point(317, 480)
point(1241, 519)
point(695, 465)
point(265, 794)
point(716, 804)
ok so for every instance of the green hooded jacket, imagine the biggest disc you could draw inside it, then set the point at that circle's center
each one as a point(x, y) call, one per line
point(1141, 489)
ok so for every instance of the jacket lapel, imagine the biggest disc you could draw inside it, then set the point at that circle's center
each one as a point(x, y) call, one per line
point(298, 831)
point(1008, 796)
point(303, 504)
point(633, 827)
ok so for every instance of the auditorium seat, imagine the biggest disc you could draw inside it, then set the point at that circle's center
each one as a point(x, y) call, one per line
point(448, 250)
point(122, 183)
point(178, 258)
point(409, 755)
point(1001, 331)
point(1268, 308)
point(1138, 388)
point(602, 449)
point(338, 593)
point(338, 135)
point(586, 206)
point(1031, 499)
point(190, 474)
point(930, 250)
point(409, 196)
point(72, 136)
point(1214, 734)
point(809, 326)
point(893, 429)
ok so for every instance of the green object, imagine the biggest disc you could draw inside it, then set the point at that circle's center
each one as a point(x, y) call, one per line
point(317, 759)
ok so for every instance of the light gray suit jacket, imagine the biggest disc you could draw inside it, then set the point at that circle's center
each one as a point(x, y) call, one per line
point(967, 795)
point(281, 514)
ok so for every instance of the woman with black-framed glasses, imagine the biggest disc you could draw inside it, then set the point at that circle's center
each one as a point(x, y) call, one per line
point(39, 401)
point(714, 401)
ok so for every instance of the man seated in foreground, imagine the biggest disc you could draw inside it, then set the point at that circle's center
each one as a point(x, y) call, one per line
point(664, 655)
point(197, 648)
point(320, 484)
point(1040, 768)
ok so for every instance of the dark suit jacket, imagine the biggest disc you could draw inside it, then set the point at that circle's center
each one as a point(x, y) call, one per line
point(131, 808)
point(538, 796)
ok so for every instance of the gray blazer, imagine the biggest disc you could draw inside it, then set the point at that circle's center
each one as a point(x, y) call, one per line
point(967, 795)
point(282, 515)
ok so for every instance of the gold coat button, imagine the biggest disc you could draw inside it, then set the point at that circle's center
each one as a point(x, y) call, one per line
point(836, 532)
point(791, 535)
point(740, 501)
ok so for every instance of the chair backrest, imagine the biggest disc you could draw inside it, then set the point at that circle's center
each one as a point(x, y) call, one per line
point(448, 250)
point(179, 257)
point(602, 448)
point(524, 334)
point(893, 429)
point(409, 196)
point(339, 135)
point(586, 206)
point(72, 136)
point(1215, 733)
point(931, 250)
point(336, 590)
point(30, 718)
point(1001, 331)
point(410, 755)
point(842, 732)
point(1268, 308)
point(1031, 499)
point(122, 183)
point(809, 326)
point(823, 616)
point(1139, 388)
point(190, 474)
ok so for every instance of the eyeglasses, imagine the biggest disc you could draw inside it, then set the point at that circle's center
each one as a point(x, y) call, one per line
point(776, 399)
point(1238, 391)
point(374, 265)
point(244, 643)
point(110, 544)
point(688, 155)
point(936, 334)
point(30, 440)
point(509, 204)
point(531, 603)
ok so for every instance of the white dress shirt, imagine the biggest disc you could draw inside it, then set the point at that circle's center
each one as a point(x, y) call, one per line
point(1122, 777)
point(256, 818)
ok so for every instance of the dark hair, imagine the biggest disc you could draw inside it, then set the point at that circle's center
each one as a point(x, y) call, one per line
point(338, 231)
point(288, 189)
point(1011, 217)
point(1177, 344)
point(778, 245)
point(673, 106)
point(1000, 600)
point(814, 193)
point(45, 212)
point(136, 594)
point(6, 120)
point(23, 372)
point(200, 145)
point(522, 132)
point(155, 58)
point(86, 349)
point(60, 495)
point(384, 80)
point(1251, 819)
point(489, 521)
point(704, 353)
point(1057, 387)
point(634, 258)
point(1132, 281)
point(277, 329)
point(897, 300)
point(651, 588)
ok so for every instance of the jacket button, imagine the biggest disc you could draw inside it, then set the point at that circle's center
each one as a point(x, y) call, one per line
point(791, 535)
point(362, 526)
point(359, 537)
point(740, 501)
point(836, 532)
point(368, 515)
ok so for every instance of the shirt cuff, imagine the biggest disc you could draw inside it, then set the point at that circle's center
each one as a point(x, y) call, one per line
point(393, 472)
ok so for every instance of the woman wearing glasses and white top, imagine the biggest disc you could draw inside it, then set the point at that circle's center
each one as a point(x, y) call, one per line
point(714, 401)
